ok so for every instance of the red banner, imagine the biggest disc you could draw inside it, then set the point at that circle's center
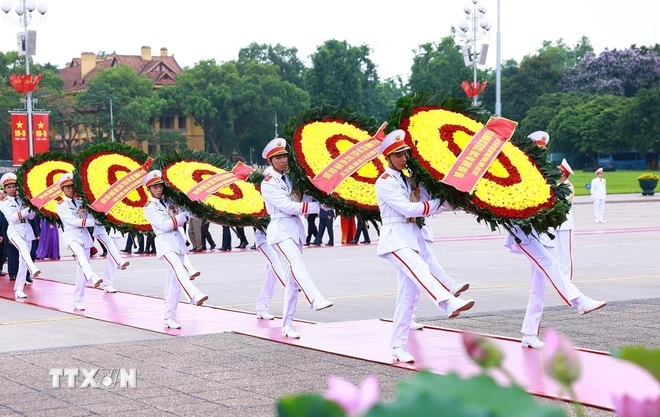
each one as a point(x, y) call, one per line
point(476, 158)
point(348, 162)
point(46, 195)
point(210, 185)
point(120, 189)
point(19, 141)
point(40, 132)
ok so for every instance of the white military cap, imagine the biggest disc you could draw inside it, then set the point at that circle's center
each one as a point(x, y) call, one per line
point(275, 147)
point(393, 142)
point(8, 178)
point(540, 137)
point(599, 170)
point(565, 167)
point(152, 178)
point(65, 179)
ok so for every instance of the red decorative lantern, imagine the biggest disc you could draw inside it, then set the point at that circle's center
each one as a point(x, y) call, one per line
point(24, 83)
point(473, 89)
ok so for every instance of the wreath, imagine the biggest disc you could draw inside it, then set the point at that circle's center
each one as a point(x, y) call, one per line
point(101, 166)
point(238, 204)
point(520, 187)
point(320, 135)
point(37, 176)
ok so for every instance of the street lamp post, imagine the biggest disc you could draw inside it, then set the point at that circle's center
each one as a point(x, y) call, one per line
point(26, 46)
point(473, 29)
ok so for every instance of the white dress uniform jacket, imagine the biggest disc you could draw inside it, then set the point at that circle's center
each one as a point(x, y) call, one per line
point(398, 213)
point(284, 210)
point(598, 189)
point(17, 218)
point(165, 219)
point(569, 224)
point(75, 220)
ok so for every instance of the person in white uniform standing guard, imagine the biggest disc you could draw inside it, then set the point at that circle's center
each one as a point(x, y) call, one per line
point(76, 219)
point(598, 193)
point(165, 218)
point(19, 231)
point(564, 233)
point(286, 233)
point(401, 243)
point(537, 248)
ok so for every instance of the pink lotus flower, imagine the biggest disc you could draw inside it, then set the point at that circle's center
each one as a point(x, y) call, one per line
point(355, 401)
point(627, 406)
point(481, 350)
point(560, 358)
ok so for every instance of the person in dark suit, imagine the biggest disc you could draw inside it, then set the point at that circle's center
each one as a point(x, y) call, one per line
point(240, 232)
point(363, 228)
point(312, 231)
point(206, 236)
point(326, 217)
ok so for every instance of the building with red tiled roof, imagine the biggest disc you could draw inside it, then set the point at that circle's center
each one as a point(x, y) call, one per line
point(161, 70)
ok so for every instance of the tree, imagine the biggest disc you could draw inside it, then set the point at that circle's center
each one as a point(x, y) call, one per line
point(545, 110)
point(134, 104)
point(614, 72)
point(345, 77)
point(640, 122)
point(535, 76)
point(290, 67)
point(439, 67)
point(593, 126)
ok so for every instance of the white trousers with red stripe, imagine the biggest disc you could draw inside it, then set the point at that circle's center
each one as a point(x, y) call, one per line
point(25, 261)
point(564, 248)
point(84, 272)
point(297, 278)
point(544, 266)
point(274, 272)
point(413, 276)
point(438, 273)
point(177, 279)
point(114, 258)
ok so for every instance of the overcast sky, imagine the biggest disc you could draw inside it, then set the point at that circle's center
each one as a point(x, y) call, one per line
point(197, 30)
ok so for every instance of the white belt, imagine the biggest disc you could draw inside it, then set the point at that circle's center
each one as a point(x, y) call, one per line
point(392, 220)
point(282, 216)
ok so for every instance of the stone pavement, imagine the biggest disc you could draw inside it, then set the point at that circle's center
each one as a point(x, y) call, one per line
point(233, 375)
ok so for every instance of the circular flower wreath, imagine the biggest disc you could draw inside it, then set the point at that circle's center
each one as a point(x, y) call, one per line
point(100, 166)
point(40, 172)
point(239, 204)
point(519, 188)
point(320, 136)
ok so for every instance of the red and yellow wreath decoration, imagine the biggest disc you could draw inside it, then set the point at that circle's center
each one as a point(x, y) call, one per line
point(40, 172)
point(100, 166)
point(238, 204)
point(319, 137)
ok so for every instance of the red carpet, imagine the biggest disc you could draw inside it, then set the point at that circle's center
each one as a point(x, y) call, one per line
point(437, 349)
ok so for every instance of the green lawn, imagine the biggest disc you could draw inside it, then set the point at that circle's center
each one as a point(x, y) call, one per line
point(618, 182)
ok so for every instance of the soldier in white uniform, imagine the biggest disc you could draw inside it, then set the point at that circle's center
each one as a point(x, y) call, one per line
point(598, 193)
point(166, 218)
point(401, 243)
point(76, 219)
point(564, 233)
point(537, 248)
point(286, 233)
point(115, 260)
point(19, 231)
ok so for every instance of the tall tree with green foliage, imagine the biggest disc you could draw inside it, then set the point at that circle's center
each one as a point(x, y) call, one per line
point(290, 67)
point(440, 67)
point(134, 104)
point(345, 77)
point(640, 122)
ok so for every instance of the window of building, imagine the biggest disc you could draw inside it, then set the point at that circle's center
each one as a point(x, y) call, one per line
point(166, 122)
point(182, 124)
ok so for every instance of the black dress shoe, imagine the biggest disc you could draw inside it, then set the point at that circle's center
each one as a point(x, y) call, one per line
point(225, 249)
point(28, 279)
point(316, 244)
point(125, 251)
point(330, 244)
point(212, 247)
point(254, 247)
point(139, 251)
point(12, 277)
point(366, 242)
point(353, 242)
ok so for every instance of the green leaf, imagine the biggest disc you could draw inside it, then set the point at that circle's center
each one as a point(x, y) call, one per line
point(428, 405)
point(308, 405)
point(647, 358)
point(479, 392)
